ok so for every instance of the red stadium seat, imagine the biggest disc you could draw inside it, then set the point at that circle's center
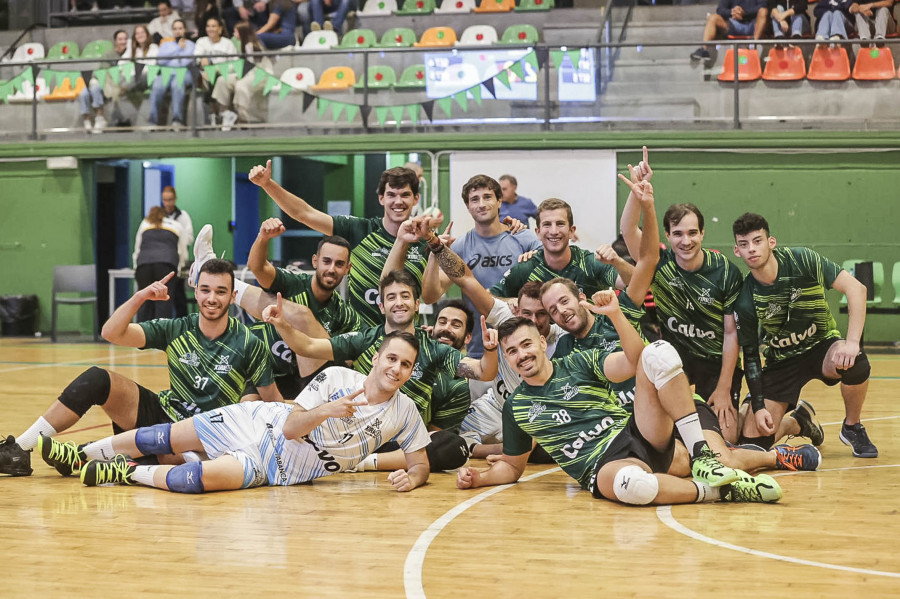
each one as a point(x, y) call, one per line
point(785, 64)
point(829, 64)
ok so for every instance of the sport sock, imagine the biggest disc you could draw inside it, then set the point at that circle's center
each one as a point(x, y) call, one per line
point(28, 439)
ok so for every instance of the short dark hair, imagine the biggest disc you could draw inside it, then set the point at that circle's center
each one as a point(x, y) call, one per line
point(509, 178)
point(117, 32)
point(333, 240)
point(676, 212)
point(166, 2)
point(398, 178)
point(403, 336)
point(403, 277)
point(462, 307)
point(508, 327)
point(479, 182)
point(218, 266)
point(178, 21)
point(567, 283)
point(555, 204)
point(749, 222)
point(531, 289)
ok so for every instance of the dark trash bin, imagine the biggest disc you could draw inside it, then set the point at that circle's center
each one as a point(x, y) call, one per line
point(18, 315)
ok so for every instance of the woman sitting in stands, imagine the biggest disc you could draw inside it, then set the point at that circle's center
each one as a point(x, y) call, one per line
point(833, 19)
point(278, 32)
point(235, 97)
point(173, 53)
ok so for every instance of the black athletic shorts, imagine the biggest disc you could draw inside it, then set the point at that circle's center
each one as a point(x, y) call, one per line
point(783, 381)
point(150, 411)
point(631, 444)
point(704, 375)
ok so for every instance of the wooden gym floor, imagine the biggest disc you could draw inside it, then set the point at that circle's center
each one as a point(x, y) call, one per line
point(351, 535)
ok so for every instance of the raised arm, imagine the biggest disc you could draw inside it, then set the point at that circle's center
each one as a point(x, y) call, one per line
point(618, 366)
point(484, 369)
point(407, 234)
point(258, 260)
point(631, 213)
point(648, 251)
point(301, 343)
point(294, 206)
point(119, 329)
point(453, 267)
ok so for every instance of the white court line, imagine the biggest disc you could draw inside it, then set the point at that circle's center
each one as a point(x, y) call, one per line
point(664, 513)
point(415, 559)
point(863, 419)
point(55, 364)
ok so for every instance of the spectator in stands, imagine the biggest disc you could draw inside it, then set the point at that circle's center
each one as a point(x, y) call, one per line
point(514, 205)
point(158, 249)
point(92, 95)
point(206, 10)
point(185, 6)
point(317, 9)
point(833, 19)
point(255, 12)
point(176, 53)
point(789, 17)
point(740, 18)
point(161, 26)
point(278, 32)
point(877, 15)
point(235, 97)
point(217, 49)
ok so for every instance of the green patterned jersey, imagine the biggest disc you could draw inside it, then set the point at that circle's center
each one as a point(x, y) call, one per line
point(791, 315)
point(574, 415)
point(205, 374)
point(433, 358)
point(371, 244)
point(691, 306)
point(589, 274)
point(450, 400)
point(335, 316)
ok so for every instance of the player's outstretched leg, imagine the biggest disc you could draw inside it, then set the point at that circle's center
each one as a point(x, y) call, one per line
point(68, 458)
point(14, 460)
point(761, 488)
point(119, 470)
point(203, 251)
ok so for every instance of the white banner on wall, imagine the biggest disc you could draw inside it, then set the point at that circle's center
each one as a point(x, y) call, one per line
point(586, 179)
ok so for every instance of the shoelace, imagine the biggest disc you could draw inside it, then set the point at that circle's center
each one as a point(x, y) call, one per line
point(65, 452)
point(791, 458)
point(112, 472)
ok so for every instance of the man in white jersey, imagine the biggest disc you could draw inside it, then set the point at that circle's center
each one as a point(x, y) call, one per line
point(339, 419)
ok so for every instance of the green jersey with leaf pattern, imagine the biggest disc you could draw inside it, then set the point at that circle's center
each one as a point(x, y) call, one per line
point(589, 274)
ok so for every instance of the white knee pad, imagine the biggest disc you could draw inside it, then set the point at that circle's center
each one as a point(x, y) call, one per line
point(635, 486)
point(661, 363)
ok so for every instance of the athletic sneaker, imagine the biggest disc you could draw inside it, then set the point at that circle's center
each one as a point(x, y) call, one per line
point(761, 488)
point(856, 437)
point(800, 457)
point(707, 468)
point(14, 460)
point(104, 472)
point(203, 251)
point(805, 415)
point(229, 118)
point(699, 54)
point(68, 458)
point(99, 124)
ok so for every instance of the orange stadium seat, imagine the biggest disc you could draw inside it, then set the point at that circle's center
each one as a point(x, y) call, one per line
point(65, 92)
point(874, 64)
point(785, 64)
point(437, 37)
point(829, 64)
point(496, 6)
point(335, 79)
point(749, 68)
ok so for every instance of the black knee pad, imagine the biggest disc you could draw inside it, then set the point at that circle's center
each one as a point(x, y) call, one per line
point(446, 451)
point(91, 388)
point(858, 373)
point(765, 442)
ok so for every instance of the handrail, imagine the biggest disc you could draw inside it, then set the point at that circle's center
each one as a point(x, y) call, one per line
point(25, 32)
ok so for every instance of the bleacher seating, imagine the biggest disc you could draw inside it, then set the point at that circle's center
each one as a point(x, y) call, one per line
point(413, 77)
point(335, 79)
point(874, 64)
point(534, 5)
point(29, 52)
point(416, 7)
point(829, 64)
point(398, 37)
point(299, 78)
point(455, 6)
point(478, 35)
point(379, 77)
point(319, 40)
point(519, 34)
point(785, 64)
point(378, 7)
point(437, 37)
point(62, 50)
point(748, 65)
point(358, 38)
point(496, 6)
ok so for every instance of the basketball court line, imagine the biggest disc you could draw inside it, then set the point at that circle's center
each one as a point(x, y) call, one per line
point(83, 362)
point(415, 559)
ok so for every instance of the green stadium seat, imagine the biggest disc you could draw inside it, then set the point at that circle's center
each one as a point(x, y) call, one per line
point(877, 277)
point(413, 77)
point(63, 50)
point(358, 38)
point(96, 49)
point(398, 37)
point(534, 5)
point(519, 34)
point(895, 279)
point(379, 77)
point(455, 6)
point(416, 7)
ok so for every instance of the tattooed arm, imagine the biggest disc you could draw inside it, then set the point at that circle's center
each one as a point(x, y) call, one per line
point(486, 368)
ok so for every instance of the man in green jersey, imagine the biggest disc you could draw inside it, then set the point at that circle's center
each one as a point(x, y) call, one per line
point(782, 307)
point(567, 406)
point(371, 239)
point(211, 358)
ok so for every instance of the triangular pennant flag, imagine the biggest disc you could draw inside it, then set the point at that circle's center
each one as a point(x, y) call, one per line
point(283, 91)
point(428, 107)
point(532, 59)
point(240, 69)
point(4, 92)
point(519, 69)
point(153, 71)
point(336, 109)
point(352, 111)
point(211, 73)
point(49, 77)
point(503, 77)
point(113, 73)
point(246, 67)
point(397, 113)
point(128, 70)
point(476, 93)
point(180, 74)
point(446, 104)
point(28, 75)
point(323, 106)
point(462, 99)
point(100, 74)
point(128, 73)
point(271, 81)
point(381, 114)
point(541, 54)
point(73, 77)
point(365, 111)
point(307, 100)
point(258, 76)
point(556, 57)
point(489, 85)
point(575, 57)
point(413, 111)
point(166, 74)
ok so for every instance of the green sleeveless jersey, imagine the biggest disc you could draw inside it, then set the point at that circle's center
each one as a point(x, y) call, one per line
point(691, 306)
point(205, 374)
point(790, 316)
point(574, 415)
point(371, 244)
point(589, 274)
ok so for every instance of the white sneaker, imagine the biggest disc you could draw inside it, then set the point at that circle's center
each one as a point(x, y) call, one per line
point(87, 125)
point(229, 118)
point(328, 26)
point(177, 126)
point(99, 123)
point(203, 251)
point(314, 26)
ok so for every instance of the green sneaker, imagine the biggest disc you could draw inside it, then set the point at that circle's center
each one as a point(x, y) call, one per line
point(761, 488)
point(105, 472)
point(68, 458)
point(707, 468)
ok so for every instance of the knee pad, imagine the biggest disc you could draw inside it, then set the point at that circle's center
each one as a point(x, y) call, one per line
point(446, 451)
point(90, 388)
point(154, 440)
point(635, 486)
point(187, 478)
point(858, 373)
point(661, 363)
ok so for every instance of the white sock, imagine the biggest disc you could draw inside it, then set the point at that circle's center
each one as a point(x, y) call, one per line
point(28, 439)
point(370, 462)
point(691, 433)
point(144, 475)
point(100, 450)
point(240, 287)
point(707, 494)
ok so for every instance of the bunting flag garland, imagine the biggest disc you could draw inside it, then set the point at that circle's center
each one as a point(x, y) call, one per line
point(489, 85)
point(352, 111)
point(258, 76)
point(211, 73)
point(307, 100)
point(323, 106)
point(413, 113)
point(381, 114)
point(397, 113)
point(503, 77)
point(518, 69)
point(476, 94)
point(446, 105)
point(462, 100)
point(428, 107)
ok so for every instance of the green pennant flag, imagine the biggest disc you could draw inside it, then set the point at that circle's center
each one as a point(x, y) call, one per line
point(336, 109)
point(258, 76)
point(153, 71)
point(446, 105)
point(237, 66)
point(127, 71)
point(323, 105)
point(503, 77)
point(180, 74)
point(352, 111)
point(381, 114)
point(413, 110)
point(166, 74)
point(271, 81)
point(574, 57)
point(284, 91)
point(100, 74)
point(397, 113)
point(49, 77)
point(4, 92)
point(462, 99)
point(532, 59)
point(476, 93)
point(28, 75)
point(519, 69)
point(556, 57)
point(113, 73)
point(211, 73)
point(72, 76)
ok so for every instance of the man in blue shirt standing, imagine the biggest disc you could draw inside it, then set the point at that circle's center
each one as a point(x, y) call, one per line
point(513, 204)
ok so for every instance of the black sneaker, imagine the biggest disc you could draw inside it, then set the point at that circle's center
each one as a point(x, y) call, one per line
point(855, 436)
point(810, 428)
point(104, 472)
point(802, 457)
point(14, 460)
point(67, 458)
point(700, 54)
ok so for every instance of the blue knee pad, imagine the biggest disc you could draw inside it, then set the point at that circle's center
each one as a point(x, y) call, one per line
point(187, 478)
point(858, 373)
point(154, 440)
